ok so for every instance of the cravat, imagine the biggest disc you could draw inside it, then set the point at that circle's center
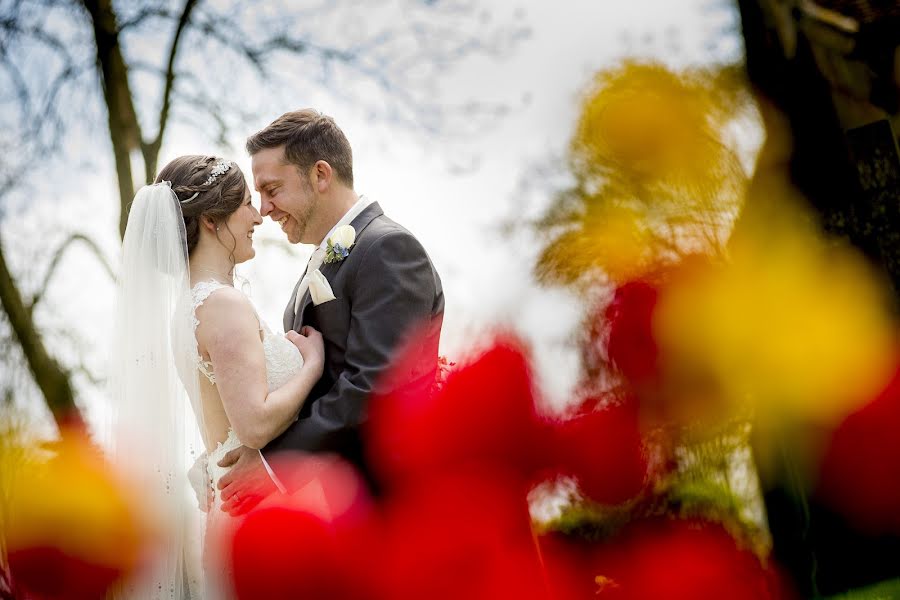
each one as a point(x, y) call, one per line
point(315, 261)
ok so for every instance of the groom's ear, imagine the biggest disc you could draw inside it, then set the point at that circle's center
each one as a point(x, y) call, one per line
point(322, 174)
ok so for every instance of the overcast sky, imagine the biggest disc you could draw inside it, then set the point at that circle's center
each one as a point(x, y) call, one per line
point(452, 193)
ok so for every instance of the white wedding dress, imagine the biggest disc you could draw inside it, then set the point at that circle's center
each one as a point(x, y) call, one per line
point(283, 361)
point(151, 434)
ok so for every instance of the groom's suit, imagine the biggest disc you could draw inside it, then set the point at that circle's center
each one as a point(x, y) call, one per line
point(385, 290)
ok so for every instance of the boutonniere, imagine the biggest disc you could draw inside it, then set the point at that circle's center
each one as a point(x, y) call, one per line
point(340, 243)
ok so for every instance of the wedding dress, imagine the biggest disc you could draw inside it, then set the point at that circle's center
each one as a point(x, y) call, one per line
point(283, 361)
point(156, 415)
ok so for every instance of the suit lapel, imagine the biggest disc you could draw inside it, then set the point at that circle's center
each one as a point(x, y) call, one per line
point(361, 221)
point(288, 319)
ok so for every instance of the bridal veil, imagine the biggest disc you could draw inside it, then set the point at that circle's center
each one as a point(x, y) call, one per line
point(153, 384)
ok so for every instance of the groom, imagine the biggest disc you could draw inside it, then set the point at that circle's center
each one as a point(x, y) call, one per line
point(384, 290)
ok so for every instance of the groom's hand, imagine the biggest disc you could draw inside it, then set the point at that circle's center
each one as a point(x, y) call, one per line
point(246, 484)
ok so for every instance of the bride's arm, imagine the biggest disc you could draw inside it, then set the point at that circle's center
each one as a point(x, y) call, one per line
point(229, 331)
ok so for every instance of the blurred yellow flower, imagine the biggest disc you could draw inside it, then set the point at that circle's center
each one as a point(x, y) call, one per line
point(71, 506)
point(656, 178)
point(611, 239)
point(648, 122)
point(794, 327)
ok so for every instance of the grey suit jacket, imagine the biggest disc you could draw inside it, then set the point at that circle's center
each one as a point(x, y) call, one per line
point(385, 290)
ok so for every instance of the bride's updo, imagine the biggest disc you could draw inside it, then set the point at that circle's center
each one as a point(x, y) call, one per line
point(217, 200)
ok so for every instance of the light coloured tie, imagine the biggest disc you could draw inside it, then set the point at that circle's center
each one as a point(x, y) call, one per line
point(315, 261)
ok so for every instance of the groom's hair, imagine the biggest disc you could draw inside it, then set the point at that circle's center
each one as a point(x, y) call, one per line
point(308, 136)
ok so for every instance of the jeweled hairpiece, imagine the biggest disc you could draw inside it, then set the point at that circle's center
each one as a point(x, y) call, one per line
point(222, 167)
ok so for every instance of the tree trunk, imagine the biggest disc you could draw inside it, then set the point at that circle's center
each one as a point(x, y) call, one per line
point(124, 130)
point(820, 549)
point(52, 380)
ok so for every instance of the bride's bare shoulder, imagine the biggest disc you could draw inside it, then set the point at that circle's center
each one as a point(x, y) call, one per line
point(226, 308)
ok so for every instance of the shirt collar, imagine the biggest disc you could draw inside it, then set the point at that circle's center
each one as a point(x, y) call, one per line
point(361, 204)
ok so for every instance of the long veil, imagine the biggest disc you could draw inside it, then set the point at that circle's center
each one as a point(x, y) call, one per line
point(153, 386)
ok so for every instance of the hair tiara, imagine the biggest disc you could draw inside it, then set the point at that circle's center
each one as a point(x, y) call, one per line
point(222, 167)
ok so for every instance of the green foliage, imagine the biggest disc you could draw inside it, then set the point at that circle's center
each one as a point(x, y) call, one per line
point(886, 590)
point(701, 485)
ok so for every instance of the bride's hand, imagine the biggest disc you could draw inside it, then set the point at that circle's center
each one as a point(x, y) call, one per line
point(311, 346)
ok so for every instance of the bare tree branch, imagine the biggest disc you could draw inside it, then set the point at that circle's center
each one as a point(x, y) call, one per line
point(82, 369)
point(14, 27)
point(146, 13)
point(391, 60)
point(402, 60)
point(50, 377)
point(124, 129)
point(151, 150)
point(21, 91)
point(146, 67)
point(57, 257)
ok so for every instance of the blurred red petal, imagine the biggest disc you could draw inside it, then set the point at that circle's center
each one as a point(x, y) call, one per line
point(565, 561)
point(314, 541)
point(860, 470)
point(602, 449)
point(464, 535)
point(485, 412)
point(48, 573)
point(631, 346)
point(681, 560)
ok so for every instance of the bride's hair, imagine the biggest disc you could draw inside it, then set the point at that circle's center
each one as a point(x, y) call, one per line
point(216, 200)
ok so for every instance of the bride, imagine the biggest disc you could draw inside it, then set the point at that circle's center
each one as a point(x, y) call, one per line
point(182, 326)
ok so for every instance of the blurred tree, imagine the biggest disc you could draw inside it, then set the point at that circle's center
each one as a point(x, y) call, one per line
point(146, 65)
point(827, 74)
point(654, 177)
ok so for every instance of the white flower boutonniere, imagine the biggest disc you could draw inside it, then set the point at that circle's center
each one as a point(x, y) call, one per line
point(340, 243)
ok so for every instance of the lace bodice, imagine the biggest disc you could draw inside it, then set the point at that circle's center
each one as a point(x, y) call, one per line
point(283, 359)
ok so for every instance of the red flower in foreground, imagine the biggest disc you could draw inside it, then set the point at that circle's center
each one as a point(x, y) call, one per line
point(49, 573)
point(602, 449)
point(680, 560)
point(483, 414)
point(860, 470)
point(631, 346)
point(566, 563)
point(460, 536)
point(314, 542)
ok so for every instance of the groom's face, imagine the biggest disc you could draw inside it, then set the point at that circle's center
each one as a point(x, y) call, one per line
point(286, 195)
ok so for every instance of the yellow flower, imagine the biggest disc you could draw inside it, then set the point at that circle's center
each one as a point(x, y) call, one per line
point(655, 178)
point(612, 239)
point(794, 327)
point(72, 506)
point(650, 123)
